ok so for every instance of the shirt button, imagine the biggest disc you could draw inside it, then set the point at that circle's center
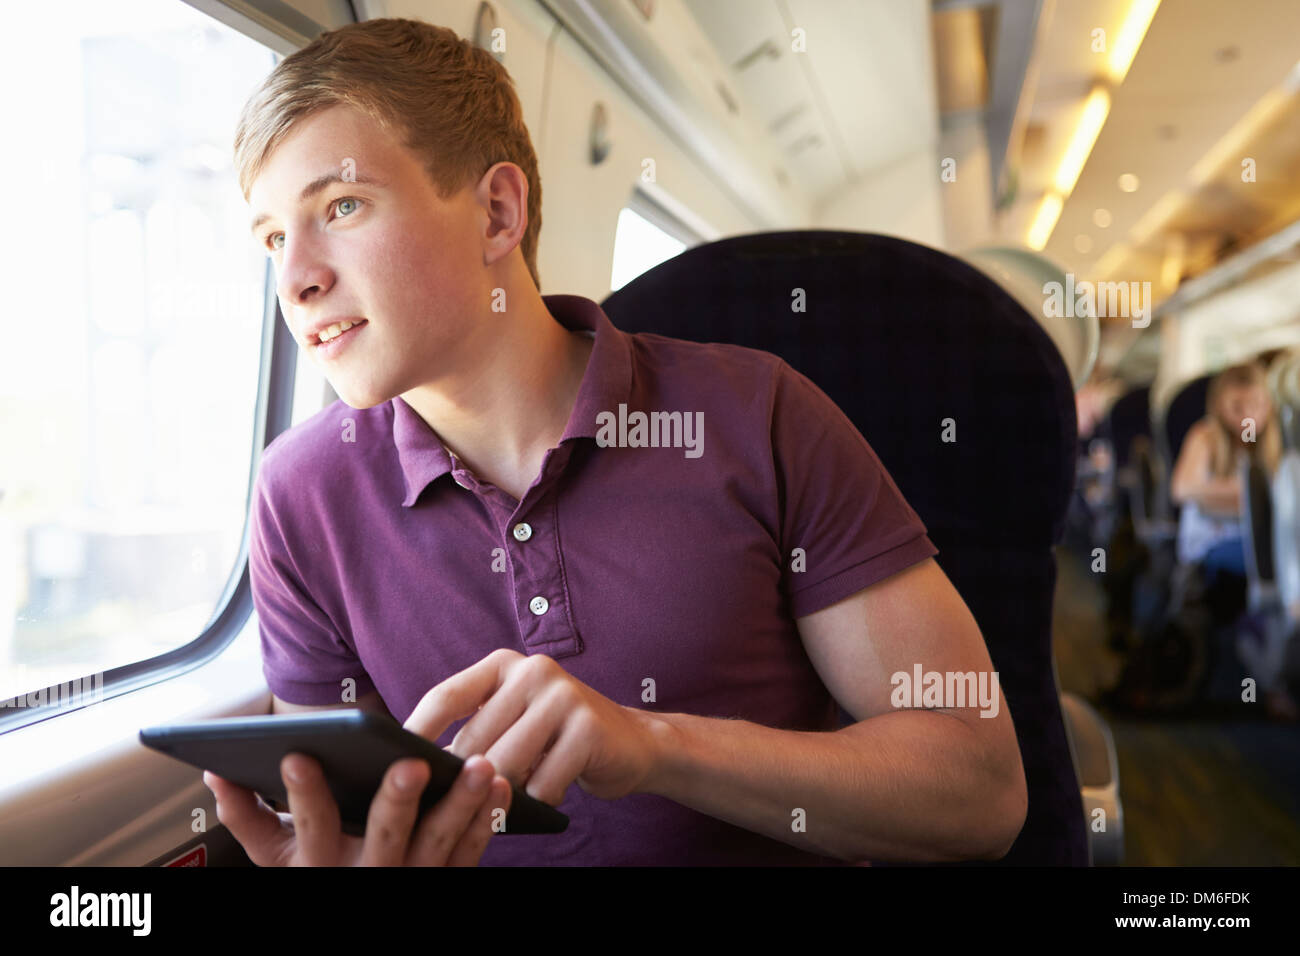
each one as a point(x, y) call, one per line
point(538, 605)
point(522, 531)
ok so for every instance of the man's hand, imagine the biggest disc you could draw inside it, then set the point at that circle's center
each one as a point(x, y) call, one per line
point(454, 832)
point(541, 728)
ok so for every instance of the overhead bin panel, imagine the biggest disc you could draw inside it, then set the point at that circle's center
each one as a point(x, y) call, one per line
point(581, 201)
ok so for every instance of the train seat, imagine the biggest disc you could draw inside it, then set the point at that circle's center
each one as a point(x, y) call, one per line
point(1185, 409)
point(1286, 530)
point(903, 337)
point(1257, 534)
point(1171, 423)
point(1129, 417)
point(1269, 526)
point(1098, 780)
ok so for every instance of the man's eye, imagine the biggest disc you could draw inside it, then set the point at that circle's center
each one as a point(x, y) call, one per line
point(345, 206)
point(350, 204)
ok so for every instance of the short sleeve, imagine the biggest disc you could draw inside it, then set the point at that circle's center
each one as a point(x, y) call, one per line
point(303, 657)
point(839, 506)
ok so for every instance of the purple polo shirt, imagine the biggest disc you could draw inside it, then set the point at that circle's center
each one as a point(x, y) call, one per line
point(377, 556)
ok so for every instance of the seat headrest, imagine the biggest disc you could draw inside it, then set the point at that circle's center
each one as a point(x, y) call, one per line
point(1185, 409)
point(1129, 417)
point(903, 338)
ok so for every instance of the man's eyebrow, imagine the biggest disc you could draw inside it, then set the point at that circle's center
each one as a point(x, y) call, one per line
point(314, 187)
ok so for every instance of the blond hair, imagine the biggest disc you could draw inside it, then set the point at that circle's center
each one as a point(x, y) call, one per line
point(1267, 447)
point(448, 101)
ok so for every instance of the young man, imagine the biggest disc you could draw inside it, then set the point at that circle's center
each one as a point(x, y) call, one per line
point(467, 535)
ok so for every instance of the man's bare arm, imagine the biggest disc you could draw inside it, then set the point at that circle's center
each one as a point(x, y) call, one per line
point(911, 784)
point(371, 702)
point(943, 783)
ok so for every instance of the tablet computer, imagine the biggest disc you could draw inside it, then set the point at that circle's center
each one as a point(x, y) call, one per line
point(355, 748)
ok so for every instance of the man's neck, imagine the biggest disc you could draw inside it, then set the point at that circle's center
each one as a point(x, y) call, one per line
point(501, 417)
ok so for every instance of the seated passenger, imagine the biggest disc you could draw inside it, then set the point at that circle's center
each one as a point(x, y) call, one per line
point(461, 536)
point(1206, 484)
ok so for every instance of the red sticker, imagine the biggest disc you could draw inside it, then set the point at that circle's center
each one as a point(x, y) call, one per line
point(195, 857)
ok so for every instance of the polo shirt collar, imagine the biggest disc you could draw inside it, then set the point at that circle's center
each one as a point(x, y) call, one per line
point(606, 382)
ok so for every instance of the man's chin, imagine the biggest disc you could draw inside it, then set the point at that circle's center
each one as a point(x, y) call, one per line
point(359, 401)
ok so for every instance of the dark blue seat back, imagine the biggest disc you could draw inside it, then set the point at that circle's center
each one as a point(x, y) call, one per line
point(1186, 409)
point(1129, 417)
point(902, 337)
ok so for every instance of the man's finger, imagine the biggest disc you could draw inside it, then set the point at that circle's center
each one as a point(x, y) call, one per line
point(393, 812)
point(495, 716)
point(522, 742)
point(469, 850)
point(316, 821)
point(257, 827)
point(458, 696)
point(558, 768)
point(445, 824)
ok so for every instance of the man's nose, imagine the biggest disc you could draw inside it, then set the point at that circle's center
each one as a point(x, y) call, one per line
point(303, 271)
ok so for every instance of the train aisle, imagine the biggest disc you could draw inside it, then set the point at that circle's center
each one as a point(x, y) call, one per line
point(1197, 790)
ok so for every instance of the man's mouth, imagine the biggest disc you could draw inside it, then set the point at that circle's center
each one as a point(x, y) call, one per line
point(338, 336)
point(334, 331)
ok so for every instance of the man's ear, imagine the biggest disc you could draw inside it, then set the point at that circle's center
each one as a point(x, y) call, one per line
point(502, 193)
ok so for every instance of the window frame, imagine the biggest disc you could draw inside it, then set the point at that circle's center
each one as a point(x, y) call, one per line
point(656, 212)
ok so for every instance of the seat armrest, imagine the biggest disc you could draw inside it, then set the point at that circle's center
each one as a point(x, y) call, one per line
point(1097, 767)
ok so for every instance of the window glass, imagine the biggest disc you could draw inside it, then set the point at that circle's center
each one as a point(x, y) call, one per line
point(311, 391)
point(128, 380)
point(639, 245)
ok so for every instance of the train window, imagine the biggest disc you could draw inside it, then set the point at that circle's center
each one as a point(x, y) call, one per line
point(311, 390)
point(646, 236)
point(129, 385)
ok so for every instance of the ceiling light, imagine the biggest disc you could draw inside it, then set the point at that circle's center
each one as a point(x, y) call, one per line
point(1083, 244)
point(1049, 210)
point(1085, 135)
point(1101, 218)
point(1129, 38)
